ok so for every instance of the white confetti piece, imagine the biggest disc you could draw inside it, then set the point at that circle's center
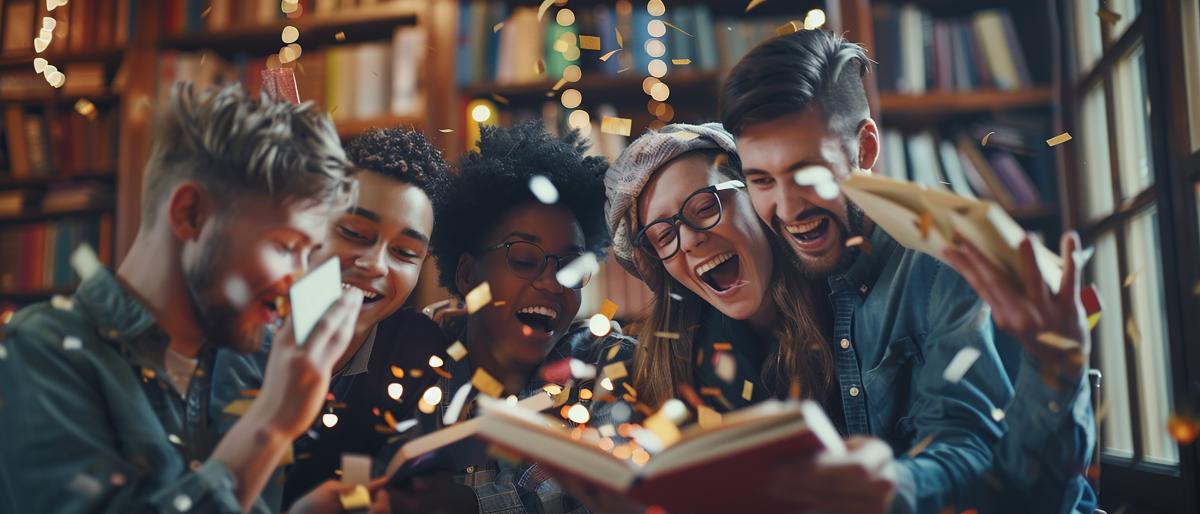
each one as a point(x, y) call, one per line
point(582, 370)
point(572, 274)
point(175, 439)
point(356, 469)
point(62, 303)
point(84, 261)
point(49, 23)
point(72, 343)
point(726, 367)
point(456, 404)
point(3, 352)
point(960, 364)
point(86, 485)
point(479, 297)
point(579, 414)
point(395, 390)
point(405, 425)
point(998, 414)
point(39, 64)
point(433, 395)
point(828, 190)
point(329, 419)
point(812, 175)
point(236, 292)
point(182, 503)
point(543, 189)
point(599, 325)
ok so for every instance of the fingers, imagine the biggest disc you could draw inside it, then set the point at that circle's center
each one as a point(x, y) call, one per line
point(1031, 276)
point(382, 504)
point(1068, 288)
point(337, 323)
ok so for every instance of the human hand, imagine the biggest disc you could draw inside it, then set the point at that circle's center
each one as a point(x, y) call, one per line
point(327, 498)
point(861, 481)
point(434, 493)
point(1032, 311)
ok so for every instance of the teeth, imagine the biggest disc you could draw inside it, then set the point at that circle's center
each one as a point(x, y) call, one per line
point(799, 228)
point(712, 263)
point(539, 309)
point(366, 294)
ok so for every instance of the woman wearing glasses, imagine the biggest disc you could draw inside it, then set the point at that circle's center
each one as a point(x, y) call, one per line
point(492, 230)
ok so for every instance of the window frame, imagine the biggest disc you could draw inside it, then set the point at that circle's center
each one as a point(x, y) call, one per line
point(1147, 486)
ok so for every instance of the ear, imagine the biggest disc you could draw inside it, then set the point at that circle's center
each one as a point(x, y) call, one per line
point(464, 276)
point(868, 144)
point(188, 208)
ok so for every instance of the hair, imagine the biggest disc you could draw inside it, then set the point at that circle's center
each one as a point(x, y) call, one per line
point(495, 179)
point(798, 357)
point(794, 73)
point(404, 155)
point(234, 146)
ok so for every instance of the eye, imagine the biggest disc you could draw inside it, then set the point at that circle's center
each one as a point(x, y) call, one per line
point(285, 248)
point(405, 254)
point(762, 181)
point(351, 234)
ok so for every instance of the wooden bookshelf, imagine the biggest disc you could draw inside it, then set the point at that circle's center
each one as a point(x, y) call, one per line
point(35, 217)
point(109, 55)
point(349, 128)
point(602, 88)
point(969, 102)
point(58, 96)
point(107, 175)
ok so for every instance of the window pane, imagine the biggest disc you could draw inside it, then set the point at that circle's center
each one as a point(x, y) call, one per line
point(1087, 35)
point(1129, 11)
point(1133, 124)
point(1109, 340)
point(1153, 359)
point(1095, 163)
point(1191, 57)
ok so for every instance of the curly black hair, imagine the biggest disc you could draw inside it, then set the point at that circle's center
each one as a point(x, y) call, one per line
point(405, 155)
point(496, 178)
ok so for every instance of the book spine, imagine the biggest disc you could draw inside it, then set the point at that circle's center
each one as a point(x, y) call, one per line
point(706, 42)
point(1014, 177)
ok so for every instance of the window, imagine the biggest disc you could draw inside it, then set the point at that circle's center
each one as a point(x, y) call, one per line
point(1109, 341)
point(1094, 160)
point(1087, 35)
point(1133, 123)
point(1191, 60)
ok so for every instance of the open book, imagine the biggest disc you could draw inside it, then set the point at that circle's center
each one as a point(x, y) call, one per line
point(715, 469)
point(926, 220)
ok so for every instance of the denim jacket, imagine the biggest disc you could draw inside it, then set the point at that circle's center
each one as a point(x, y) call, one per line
point(900, 317)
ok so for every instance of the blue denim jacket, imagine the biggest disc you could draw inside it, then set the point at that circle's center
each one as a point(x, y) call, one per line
point(900, 317)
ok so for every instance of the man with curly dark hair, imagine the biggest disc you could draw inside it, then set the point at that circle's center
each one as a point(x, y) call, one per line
point(492, 231)
point(381, 242)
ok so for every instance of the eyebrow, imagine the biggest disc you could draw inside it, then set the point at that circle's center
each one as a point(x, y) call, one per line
point(366, 213)
point(416, 234)
point(790, 168)
point(535, 239)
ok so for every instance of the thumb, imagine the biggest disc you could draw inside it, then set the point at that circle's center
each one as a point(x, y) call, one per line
point(381, 504)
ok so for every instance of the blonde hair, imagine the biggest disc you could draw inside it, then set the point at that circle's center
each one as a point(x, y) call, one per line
point(233, 145)
point(799, 356)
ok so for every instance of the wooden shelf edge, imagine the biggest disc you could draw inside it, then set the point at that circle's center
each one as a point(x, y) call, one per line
point(593, 82)
point(349, 128)
point(62, 97)
point(893, 104)
point(18, 59)
point(345, 21)
point(47, 216)
point(1033, 213)
point(17, 183)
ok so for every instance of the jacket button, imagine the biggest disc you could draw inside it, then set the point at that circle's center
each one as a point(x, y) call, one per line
point(845, 344)
point(854, 391)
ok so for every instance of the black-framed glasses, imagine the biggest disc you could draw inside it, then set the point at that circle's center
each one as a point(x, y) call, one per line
point(700, 211)
point(527, 260)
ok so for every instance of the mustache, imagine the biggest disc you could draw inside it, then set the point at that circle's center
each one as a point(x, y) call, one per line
point(813, 212)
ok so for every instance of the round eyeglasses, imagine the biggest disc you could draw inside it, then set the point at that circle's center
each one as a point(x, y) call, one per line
point(701, 211)
point(527, 260)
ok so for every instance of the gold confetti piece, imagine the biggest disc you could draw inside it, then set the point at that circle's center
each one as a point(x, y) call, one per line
point(1057, 341)
point(1196, 288)
point(960, 364)
point(1131, 330)
point(206, 12)
point(747, 390)
point(238, 407)
point(539, 67)
point(397, 372)
point(788, 28)
point(920, 446)
point(442, 373)
point(499, 99)
point(339, 37)
point(684, 135)
point(753, 4)
point(290, 34)
point(681, 31)
point(723, 347)
point(859, 241)
point(499, 303)
point(614, 125)
point(446, 130)
point(615, 371)
point(604, 58)
point(984, 141)
point(613, 351)
point(416, 373)
point(620, 40)
point(1129, 279)
point(625, 69)
point(1108, 16)
point(667, 335)
point(61, 302)
point(589, 42)
point(479, 297)
point(497, 27)
point(433, 395)
point(1183, 430)
point(457, 351)
point(1093, 320)
point(542, 8)
point(681, 62)
point(486, 383)
point(608, 308)
point(924, 225)
point(1059, 139)
point(357, 498)
point(707, 417)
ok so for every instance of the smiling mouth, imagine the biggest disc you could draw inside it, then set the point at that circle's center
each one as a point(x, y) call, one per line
point(720, 272)
point(369, 296)
point(538, 317)
point(809, 230)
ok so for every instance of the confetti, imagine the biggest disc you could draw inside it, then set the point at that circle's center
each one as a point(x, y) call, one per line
point(581, 370)
point(753, 4)
point(920, 446)
point(542, 8)
point(657, 68)
point(725, 367)
point(238, 407)
point(960, 364)
point(855, 241)
point(667, 335)
point(707, 417)
point(747, 390)
point(62, 303)
point(1183, 430)
point(620, 40)
point(397, 372)
point(1129, 279)
point(4, 354)
point(589, 42)
point(72, 343)
point(578, 271)
point(497, 27)
point(539, 67)
point(290, 34)
point(486, 383)
point(182, 503)
point(997, 414)
point(456, 405)
point(339, 37)
point(660, 92)
point(395, 390)
point(614, 125)
point(571, 98)
point(656, 8)
point(983, 142)
point(814, 19)
point(599, 325)
point(673, 26)
point(445, 130)
point(206, 12)
point(812, 176)
point(924, 225)
point(499, 99)
point(354, 499)
point(1108, 16)
point(329, 419)
point(578, 414)
point(615, 371)
point(457, 351)
point(1131, 330)
point(432, 396)
point(572, 73)
point(565, 17)
point(39, 64)
point(1059, 139)
point(1057, 341)
point(788, 28)
point(557, 85)
point(435, 361)
point(681, 62)
point(479, 297)
point(56, 79)
point(85, 484)
point(40, 44)
point(606, 383)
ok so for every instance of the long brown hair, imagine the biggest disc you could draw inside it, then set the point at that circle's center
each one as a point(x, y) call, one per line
point(799, 355)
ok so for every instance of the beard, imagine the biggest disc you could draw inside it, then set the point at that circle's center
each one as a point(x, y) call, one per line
point(854, 226)
point(222, 323)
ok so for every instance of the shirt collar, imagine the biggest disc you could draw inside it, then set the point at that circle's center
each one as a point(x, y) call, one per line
point(865, 269)
point(358, 363)
point(122, 318)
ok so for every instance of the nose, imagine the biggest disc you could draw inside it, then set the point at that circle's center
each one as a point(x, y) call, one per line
point(373, 260)
point(793, 200)
point(547, 280)
point(690, 238)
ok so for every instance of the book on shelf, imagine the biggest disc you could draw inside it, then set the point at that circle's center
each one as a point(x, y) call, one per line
point(19, 25)
point(179, 17)
point(36, 256)
point(918, 52)
point(58, 142)
point(739, 449)
point(927, 220)
point(352, 81)
point(508, 56)
point(76, 196)
point(959, 163)
point(79, 26)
